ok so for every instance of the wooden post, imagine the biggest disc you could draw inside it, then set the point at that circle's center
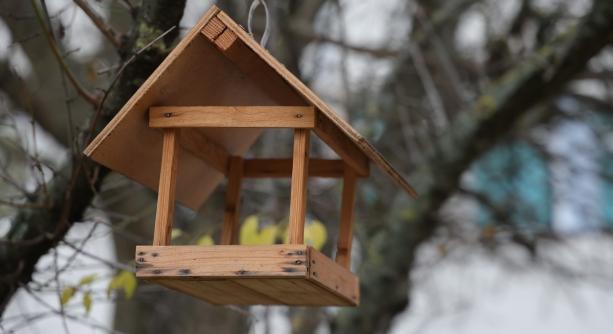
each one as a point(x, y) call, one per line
point(345, 233)
point(166, 188)
point(300, 172)
point(229, 234)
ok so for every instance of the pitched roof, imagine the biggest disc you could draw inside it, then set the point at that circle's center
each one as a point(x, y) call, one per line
point(217, 64)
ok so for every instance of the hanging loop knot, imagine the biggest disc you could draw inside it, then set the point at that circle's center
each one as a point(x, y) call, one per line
point(266, 33)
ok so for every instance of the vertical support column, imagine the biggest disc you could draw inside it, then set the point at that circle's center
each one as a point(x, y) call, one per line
point(166, 188)
point(229, 234)
point(345, 233)
point(300, 172)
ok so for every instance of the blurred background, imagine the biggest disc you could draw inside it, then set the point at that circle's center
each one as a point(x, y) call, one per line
point(499, 112)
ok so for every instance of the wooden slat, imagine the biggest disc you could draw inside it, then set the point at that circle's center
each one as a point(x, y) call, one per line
point(205, 149)
point(333, 277)
point(166, 190)
point(293, 291)
point(221, 261)
point(250, 275)
point(298, 199)
point(232, 117)
point(219, 292)
point(345, 232)
point(236, 294)
point(273, 168)
point(229, 234)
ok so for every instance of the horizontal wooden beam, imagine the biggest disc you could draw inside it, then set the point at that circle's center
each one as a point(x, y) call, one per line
point(232, 117)
point(273, 168)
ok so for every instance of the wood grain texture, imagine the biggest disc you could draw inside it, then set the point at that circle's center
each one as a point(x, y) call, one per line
point(275, 168)
point(225, 40)
point(298, 198)
point(333, 277)
point(166, 192)
point(213, 28)
point(250, 275)
point(232, 117)
point(345, 231)
point(221, 261)
point(199, 145)
point(229, 233)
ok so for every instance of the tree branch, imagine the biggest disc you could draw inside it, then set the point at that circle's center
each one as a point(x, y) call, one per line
point(385, 274)
point(106, 29)
point(89, 97)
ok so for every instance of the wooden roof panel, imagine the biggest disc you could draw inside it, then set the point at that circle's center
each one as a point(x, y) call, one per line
point(203, 71)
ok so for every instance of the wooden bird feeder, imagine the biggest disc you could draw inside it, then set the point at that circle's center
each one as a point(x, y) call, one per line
point(188, 127)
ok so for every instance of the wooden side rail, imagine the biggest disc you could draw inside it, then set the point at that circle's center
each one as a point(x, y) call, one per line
point(279, 168)
point(232, 117)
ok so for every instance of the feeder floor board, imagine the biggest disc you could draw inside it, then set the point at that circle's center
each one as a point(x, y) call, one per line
point(295, 275)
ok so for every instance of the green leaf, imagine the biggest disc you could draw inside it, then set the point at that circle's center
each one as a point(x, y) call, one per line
point(87, 301)
point(205, 240)
point(67, 295)
point(86, 280)
point(175, 233)
point(315, 234)
point(126, 281)
point(249, 234)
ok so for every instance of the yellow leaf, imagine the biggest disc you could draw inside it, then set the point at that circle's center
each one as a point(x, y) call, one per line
point(249, 234)
point(268, 235)
point(126, 281)
point(87, 279)
point(87, 301)
point(205, 240)
point(315, 234)
point(67, 295)
point(175, 233)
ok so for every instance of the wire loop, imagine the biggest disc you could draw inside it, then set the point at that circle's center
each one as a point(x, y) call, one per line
point(266, 34)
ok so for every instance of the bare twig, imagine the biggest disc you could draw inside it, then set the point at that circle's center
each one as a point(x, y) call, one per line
point(306, 32)
point(89, 97)
point(23, 205)
point(69, 316)
point(434, 97)
point(98, 21)
point(58, 292)
point(92, 126)
point(111, 264)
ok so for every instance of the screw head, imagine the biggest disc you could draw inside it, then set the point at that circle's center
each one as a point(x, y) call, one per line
point(168, 114)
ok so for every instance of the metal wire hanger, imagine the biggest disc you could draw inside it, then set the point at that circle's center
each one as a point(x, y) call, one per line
point(266, 34)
